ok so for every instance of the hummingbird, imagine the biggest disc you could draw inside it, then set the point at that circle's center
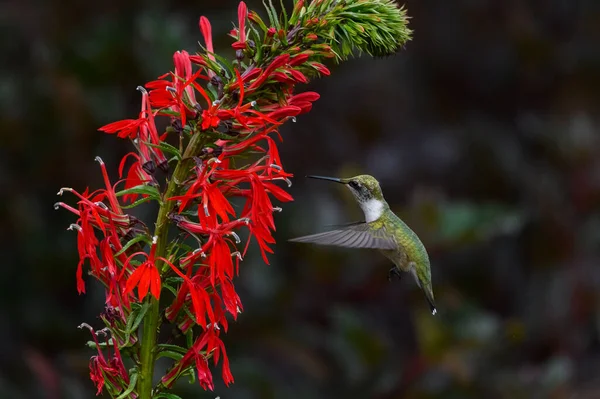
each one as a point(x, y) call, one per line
point(381, 230)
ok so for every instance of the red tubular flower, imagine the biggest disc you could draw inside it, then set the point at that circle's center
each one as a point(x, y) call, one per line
point(278, 62)
point(322, 69)
point(299, 59)
point(127, 128)
point(206, 30)
point(208, 342)
point(145, 276)
point(194, 288)
point(183, 70)
point(242, 14)
point(103, 371)
point(136, 175)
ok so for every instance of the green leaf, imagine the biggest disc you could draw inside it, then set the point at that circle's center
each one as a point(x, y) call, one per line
point(284, 13)
point(144, 189)
point(133, 241)
point(136, 203)
point(167, 148)
point(167, 395)
point(224, 62)
point(140, 316)
point(170, 354)
point(175, 348)
point(135, 318)
point(272, 13)
point(132, 382)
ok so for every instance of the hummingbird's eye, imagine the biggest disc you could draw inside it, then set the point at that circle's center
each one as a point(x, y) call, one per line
point(354, 184)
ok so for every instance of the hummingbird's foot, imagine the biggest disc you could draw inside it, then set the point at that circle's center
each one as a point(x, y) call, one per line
point(394, 272)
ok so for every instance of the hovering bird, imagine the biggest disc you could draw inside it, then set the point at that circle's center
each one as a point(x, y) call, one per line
point(381, 230)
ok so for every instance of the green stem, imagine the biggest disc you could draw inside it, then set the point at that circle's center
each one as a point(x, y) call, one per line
point(151, 319)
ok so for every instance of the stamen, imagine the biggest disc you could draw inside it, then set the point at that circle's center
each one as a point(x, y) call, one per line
point(236, 237)
point(238, 255)
point(213, 325)
point(85, 325)
point(277, 209)
point(202, 254)
point(99, 160)
point(206, 213)
point(288, 181)
point(101, 205)
point(275, 166)
point(74, 226)
point(141, 89)
point(154, 240)
point(294, 119)
point(62, 190)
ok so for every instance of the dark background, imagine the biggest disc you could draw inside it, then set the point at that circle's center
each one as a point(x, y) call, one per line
point(484, 134)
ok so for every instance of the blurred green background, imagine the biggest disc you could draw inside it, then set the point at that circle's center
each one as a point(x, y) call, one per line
point(484, 134)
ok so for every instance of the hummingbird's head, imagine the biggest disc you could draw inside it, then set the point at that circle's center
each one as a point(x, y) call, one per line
point(367, 192)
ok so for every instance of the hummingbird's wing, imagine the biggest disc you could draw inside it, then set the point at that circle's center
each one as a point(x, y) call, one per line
point(356, 235)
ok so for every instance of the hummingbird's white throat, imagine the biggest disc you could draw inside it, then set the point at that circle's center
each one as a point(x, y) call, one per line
point(372, 208)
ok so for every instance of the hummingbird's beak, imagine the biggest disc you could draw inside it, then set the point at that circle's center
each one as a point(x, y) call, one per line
point(335, 179)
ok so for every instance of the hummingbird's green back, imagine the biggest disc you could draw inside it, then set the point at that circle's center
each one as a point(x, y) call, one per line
point(408, 242)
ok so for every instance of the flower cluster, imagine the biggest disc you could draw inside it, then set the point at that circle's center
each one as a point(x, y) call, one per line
point(210, 129)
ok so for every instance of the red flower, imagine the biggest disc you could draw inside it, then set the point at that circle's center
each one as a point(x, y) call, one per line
point(209, 119)
point(145, 276)
point(206, 30)
point(127, 128)
point(135, 176)
point(208, 343)
point(242, 14)
point(103, 371)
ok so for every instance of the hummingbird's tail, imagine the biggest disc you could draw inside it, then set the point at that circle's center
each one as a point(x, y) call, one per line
point(429, 295)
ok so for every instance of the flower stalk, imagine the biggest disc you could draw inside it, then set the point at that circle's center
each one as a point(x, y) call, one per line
point(218, 112)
